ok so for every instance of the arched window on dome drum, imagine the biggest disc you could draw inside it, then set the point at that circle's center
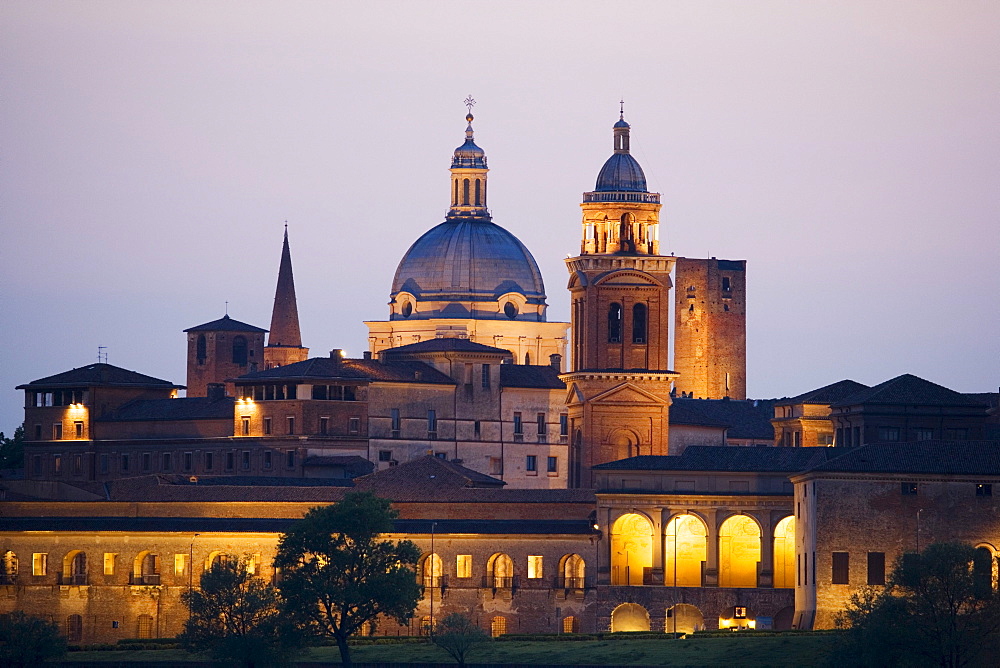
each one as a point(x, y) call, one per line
point(465, 192)
point(454, 197)
point(615, 323)
point(478, 193)
point(201, 349)
point(627, 242)
point(240, 350)
point(639, 323)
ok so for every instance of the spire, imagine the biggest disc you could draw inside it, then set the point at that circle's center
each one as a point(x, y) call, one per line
point(285, 316)
point(621, 130)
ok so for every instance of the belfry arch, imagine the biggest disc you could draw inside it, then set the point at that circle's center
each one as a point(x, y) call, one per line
point(631, 549)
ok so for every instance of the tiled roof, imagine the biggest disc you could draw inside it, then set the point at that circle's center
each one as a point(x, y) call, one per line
point(419, 474)
point(521, 375)
point(444, 345)
point(328, 368)
point(827, 394)
point(930, 457)
point(353, 465)
point(191, 408)
point(106, 375)
point(225, 324)
point(747, 418)
point(909, 389)
point(734, 459)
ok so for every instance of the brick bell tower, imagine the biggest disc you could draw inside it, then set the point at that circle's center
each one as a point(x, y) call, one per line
point(619, 386)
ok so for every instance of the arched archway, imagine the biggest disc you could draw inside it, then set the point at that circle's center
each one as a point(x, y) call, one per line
point(687, 542)
point(683, 618)
point(624, 443)
point(572, 570)
point(629, 617)
point(631, 549)
point(146, 569)
point(75, 568)
point(144, 626)
point(431, 570)
point(500, 571)
point(784, 553)
point(217, 558)
point(739, 552)
point(615, 323)
point(984, 569)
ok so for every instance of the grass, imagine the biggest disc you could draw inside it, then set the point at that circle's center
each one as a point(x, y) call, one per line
point(752, 652)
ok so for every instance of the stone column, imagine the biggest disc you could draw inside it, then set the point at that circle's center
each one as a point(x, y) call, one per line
point(765, 571)
point(711, 578)
point(656, 577)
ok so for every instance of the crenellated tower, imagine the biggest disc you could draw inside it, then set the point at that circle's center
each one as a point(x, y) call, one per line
point(619, 386)
point(284, 342)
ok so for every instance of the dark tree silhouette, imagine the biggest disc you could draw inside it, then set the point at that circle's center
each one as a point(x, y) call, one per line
point(458, 636)
point(26, 640)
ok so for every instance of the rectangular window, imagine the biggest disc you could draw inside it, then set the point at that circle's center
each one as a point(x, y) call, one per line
point(57, 464)
point(984, 489)
point(36, 463)
point(518, 425)
point(267, 426)
point(38, 432)
point(230, 461)
point(486, 375)
point(563, 424)
point(267, 460)
point(463, 566)
point(246, 460)
point(291, 424)
point(553, 465)
point(209, 461)
point(147, 461)
point(923, 434)
point(109, 563)
point(876, 568)
point(540, 420)
point(40, 563)
point(534, 566)
point(57, 431)
point(857, 437)
point(168, 463)
point(496, 466)
point(77, 464)
point(245, 428)
point(477, 430)
point(180, 564)
point(324, 425)
point(824, 438)
point(396, 422)
point(841, 568)
point(798, 439)
point(290, 459)
point(531, 464)
point(385, 455)
point(888, 433)
point(908, 488)
point(354, 425)
point(105, 465)
point(432, 421)
point(125, 463)
point(956, 434)
point(188, 461)
point(78, 429)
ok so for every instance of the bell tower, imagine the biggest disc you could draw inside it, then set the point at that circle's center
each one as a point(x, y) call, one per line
point(619, 386)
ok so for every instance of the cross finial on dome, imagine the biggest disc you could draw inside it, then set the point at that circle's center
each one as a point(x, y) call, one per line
point(621, 110)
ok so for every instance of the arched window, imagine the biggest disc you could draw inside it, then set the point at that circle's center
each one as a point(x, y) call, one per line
point(8, 569)
point(478, 193)
point(570, 624)
point(74, 628)
point(683, 618)
point(631, 549)
point(615, 323)
point(500, 572)
point(498, 626)
point(984, 571)
point(784, 553)
point(625, 236)
point(218, 559)
point(739, 552)
point(75, 568)
point(431, 571)
point(145, 626)
point(629, 617)
point(146, 569)
point(240, 350)
point(201, 349)
point(527, 359)
point(685, 550)
point(572, 570)
point(454, 198)
point(465, 192)
point(639, 323)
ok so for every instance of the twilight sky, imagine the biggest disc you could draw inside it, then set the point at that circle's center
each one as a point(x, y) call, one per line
point(152, 151)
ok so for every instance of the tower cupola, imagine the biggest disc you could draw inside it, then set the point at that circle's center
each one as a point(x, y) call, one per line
point(468, 176)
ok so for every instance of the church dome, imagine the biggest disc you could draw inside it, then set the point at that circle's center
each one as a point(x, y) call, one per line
point(621, 173)
point(463, 261)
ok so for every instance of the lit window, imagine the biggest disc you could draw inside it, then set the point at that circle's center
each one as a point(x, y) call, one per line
point(246, 425)
point(180, 564)
point(109, 563)
point(463, 566)
point(39, 563)
point(534, 567)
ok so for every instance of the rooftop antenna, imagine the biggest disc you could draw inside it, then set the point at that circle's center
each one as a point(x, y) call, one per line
point(102, 354)
point(621, 108)
point(227, 307)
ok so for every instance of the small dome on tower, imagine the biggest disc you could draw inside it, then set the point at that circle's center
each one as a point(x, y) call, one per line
point(468, 155)
point(621, 172)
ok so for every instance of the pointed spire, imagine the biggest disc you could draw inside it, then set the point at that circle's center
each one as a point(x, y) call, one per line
point(285, 316)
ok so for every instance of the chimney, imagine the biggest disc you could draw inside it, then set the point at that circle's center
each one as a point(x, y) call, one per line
point(555, 361)
point(337, 354)
point(215, 391)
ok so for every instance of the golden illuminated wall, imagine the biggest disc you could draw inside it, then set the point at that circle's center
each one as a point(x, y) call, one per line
point(739, 552)
point(629, 617)
point(784, 553)
point(687, 541)
point(631, 549)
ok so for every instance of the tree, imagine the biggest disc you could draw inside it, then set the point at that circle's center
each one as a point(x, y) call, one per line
point(12, 450)
point(238, 618)
point(26, 640)
point(934, 610)
point(337, 574)
point(458, 636)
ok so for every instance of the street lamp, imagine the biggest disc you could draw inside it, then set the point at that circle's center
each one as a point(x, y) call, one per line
point(191, 562)
point(432, 560)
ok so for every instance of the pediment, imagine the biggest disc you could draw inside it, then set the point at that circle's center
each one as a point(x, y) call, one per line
point(574, 397)
point(628, 394)
point(627, 277)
